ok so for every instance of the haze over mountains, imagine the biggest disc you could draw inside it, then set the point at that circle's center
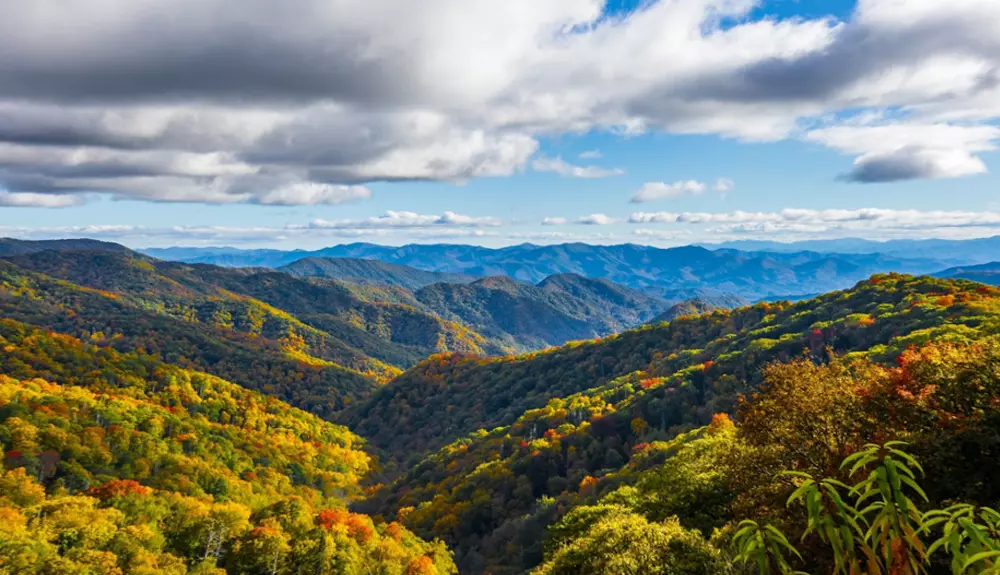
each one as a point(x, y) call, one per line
point(672, 274)
point(988, 273)
point(966, 251)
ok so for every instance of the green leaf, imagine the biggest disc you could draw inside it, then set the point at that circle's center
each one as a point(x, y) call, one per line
point(980, 557)
point(906, 456)
point(913, 485)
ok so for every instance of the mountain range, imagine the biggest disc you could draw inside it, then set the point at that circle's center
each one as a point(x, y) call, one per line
point(370, 272)
point(988, 273)
point(673, 274)
point(366, 316)
point(950, 252)
point(161, 416)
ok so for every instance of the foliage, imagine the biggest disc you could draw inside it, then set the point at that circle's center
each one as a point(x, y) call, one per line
point(881, 530)
point(495, 491)
point(766, 548)
point(696, 366)
point(136, 466)
point(628, 544)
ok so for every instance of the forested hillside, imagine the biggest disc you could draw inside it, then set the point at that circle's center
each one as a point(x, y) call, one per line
point(694, 306)
point(408, 416)
point(546, 432)
point(559, 309)
point(370, 321)
point(118, 463)
point(188, 418)
point(234, 338)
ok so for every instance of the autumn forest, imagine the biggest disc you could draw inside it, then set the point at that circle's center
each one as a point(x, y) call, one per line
point(345, 417)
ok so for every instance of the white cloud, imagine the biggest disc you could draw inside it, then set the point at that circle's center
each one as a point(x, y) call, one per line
point(553, 221)
point(299, 235)
point(221, 105)
point(394, 219)
point(559, 166)
point(865, 222)
point(312, 193)
point(33, 200)
point(591, 155)
point(905, 151)
point(647, 233)
point(652, 191)
point(667, 227)
point(723, 185)
point(597, 220)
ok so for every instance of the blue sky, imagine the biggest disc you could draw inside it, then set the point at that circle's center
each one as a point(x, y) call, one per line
point(880, 152)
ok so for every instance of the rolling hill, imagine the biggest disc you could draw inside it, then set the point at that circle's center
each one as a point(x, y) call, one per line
point(116, 462)
point(369, 320)
point(11, 246)
point(693, 306)
point(494, 452)
point(559, 309)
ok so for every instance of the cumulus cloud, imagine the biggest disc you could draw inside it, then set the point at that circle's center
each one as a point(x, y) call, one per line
point(652, 191)
point(825, 222)
point(314, 233)
point(394, 219)
point(597, 220)
point(649, 234)
point(313, 193)
point(591, 155)
point(33, 200)
point(553, 221)
point(910, 151)
point(565, 169)
point(294, 101)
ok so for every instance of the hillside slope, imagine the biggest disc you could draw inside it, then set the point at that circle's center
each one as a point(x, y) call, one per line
point(408, 416)
point(695, 306)
point(236, 339)
point(119, 463)
point(536, 435)
point(364, 327)
point(368, 325)
point(560, 309)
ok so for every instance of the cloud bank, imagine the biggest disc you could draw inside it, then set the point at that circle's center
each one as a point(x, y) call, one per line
point(299, 102)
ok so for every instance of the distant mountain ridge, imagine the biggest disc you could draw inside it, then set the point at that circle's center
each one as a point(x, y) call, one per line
point(559, 309)
point(370, 272)
point(950, 252)
point(669, 273)
point(988, 273)
point(11, 246)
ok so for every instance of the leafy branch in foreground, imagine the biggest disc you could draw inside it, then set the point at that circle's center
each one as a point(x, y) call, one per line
point(766, 547)
point(970, 535)
point(891, 539)
point(874, 526)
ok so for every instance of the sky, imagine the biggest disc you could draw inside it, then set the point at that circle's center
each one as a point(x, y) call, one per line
point(307, 123)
